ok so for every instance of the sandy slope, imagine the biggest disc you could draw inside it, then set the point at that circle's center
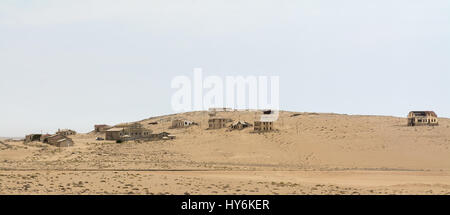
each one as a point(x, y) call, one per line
point(313, 153)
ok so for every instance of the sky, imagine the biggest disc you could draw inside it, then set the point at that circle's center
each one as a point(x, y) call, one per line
point(73, 64)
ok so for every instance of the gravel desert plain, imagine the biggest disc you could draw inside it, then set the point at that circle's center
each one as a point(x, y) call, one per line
point(309, 153)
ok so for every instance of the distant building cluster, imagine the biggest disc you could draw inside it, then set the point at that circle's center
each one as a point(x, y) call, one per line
point(59, 139)
point(264, 124)
point(136, 131)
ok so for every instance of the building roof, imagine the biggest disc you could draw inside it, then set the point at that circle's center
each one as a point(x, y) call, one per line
point(56, 135)
point(182, 120)
point(115, 129)
point(424, 113)
point(132, 124)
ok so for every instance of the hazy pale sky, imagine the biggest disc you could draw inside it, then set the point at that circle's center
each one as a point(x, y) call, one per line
point(73, 64)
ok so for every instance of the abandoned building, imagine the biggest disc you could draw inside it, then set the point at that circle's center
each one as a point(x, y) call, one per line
point(124, 134)
point(59, 140)
point(178, 123)
point(418, 118)
point(66, 142)
point(114, 133)
point(33, 137)
point(218, 123)
point(66, 132)
point(128, 131)
point(263, 125)
point(101, 128)
point(239, 125)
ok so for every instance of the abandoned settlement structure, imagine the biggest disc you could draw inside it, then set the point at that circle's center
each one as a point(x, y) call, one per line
point(218, 123)
point(32, 137)
point(178, 123)
point(239, 125)
point(58, 140)
point(66, 132)
point(418, 118)
point(126, 131)
point(263, 125)
point(135, 131)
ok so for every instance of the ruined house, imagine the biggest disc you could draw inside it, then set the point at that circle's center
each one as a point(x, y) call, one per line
point(33, 137)
point(239, 125)
point(131, 131)
point(66, 132)
point(59, 140)
point(114, 134)
point(101, 128)
point(217, 123)
point(178, 123)
point(263, 125)
point(418, 118)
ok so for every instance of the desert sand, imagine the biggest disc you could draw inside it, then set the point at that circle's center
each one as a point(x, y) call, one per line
point(309, 153)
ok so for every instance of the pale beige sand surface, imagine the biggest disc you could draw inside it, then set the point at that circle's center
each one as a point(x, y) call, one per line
point(224, 182)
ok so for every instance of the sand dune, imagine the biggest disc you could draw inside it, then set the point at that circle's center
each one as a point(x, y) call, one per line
point(309, 153)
